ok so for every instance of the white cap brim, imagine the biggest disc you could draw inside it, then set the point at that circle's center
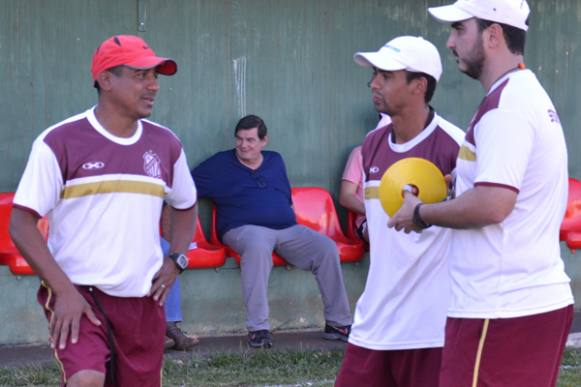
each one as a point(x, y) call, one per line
point(449, 13)
point(377, 60)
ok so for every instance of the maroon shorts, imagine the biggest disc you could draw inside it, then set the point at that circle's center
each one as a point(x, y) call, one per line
point(128, 345)
point(390, 368)
point(516, 352)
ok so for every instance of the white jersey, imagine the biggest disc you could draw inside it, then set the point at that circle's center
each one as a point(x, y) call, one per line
point(406, 295)
point(513, 268)
point(103, 196)
point(383, 121)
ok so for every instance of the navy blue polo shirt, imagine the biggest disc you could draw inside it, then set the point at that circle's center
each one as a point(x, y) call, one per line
point(244, 196)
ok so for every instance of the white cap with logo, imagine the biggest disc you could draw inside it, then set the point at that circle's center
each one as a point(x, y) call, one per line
point(410, 53)
point(512, 12)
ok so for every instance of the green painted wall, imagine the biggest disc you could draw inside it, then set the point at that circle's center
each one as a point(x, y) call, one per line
point(211, 302)
point(289, 61)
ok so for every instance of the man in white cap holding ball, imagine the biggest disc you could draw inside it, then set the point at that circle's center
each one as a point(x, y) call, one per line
point(511, 306)
point(398, 333)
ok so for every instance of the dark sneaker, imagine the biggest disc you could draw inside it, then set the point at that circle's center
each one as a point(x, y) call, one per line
point(182, 341)
point(337, 333)
point(259, 339)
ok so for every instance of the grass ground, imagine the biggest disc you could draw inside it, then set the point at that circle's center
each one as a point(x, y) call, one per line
point(252, 369)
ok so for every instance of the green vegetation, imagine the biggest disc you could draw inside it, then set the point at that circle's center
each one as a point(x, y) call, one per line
point(570, 375)
point(256, 368)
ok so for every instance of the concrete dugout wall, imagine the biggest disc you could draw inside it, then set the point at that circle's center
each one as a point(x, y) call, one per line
point(289, 61)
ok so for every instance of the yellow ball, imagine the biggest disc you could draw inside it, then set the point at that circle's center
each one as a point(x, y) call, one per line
point(416, 172)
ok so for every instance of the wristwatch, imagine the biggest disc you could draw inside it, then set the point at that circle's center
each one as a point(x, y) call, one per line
point(180, 260)
point(417, 219)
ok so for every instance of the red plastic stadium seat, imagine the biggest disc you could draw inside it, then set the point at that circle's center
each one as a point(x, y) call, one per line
point(6, 245)
point(570, 231)
point(276, 259)
point(315, 209)
point(9, 254)
point(207, 255)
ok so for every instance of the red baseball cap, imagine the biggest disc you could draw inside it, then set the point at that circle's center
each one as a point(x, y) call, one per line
point(131, 51)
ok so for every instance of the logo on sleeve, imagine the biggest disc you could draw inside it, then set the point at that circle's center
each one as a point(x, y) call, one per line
point(553, 116)
point(152, 164)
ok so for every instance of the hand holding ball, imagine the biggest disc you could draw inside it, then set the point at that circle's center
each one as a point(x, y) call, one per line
point(421, 174)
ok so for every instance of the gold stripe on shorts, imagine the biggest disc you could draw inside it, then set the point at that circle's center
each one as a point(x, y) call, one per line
point(47, 307)
point(479, 352)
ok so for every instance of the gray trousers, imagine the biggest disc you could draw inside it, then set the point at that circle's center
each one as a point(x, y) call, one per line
point(299, 246)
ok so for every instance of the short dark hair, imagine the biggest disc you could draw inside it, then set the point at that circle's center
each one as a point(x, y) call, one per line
point(515, 37)
point(115, 70)
point(410, 76)
point(252, 121)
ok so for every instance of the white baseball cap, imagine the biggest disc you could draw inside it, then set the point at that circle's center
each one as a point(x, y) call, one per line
point(411, 53)
point(512, 12)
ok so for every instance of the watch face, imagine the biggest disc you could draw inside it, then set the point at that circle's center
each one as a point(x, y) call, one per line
point(182, 261)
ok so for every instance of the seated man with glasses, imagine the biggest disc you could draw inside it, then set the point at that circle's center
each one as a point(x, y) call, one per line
point(252, 194)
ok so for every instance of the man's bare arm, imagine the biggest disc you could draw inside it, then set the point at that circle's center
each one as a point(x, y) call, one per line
point(69, 304)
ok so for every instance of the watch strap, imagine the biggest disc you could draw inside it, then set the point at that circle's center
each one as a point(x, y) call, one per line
point(417, 218)
point(175, 257)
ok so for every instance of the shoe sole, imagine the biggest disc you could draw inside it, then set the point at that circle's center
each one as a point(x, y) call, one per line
point(260, 345)
point(335, 336)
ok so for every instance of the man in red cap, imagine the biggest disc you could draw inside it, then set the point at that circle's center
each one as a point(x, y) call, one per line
point(101, 178)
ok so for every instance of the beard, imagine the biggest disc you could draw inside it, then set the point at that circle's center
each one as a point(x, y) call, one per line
point(474, 60)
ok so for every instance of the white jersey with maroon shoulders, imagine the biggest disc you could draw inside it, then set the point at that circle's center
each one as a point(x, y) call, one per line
point(513, 268)
point(384, 120)
point(103, 196)
point(406, 295)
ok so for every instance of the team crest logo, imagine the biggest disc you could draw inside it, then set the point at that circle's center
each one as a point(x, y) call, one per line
point(152, 164)
point(374, 169)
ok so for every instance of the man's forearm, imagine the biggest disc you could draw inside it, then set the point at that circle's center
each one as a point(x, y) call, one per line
point(477, 207)
point(352, 203)
point(183, 226)
point(348, 198)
